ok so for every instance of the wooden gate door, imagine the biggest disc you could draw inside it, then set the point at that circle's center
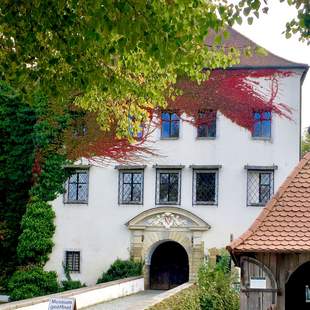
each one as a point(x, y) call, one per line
point(169, 266)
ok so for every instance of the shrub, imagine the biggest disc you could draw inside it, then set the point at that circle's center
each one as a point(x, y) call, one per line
point(31, 282)
point(187, 299)
point(71, 285)
point(35, 242)
point(121, 269)
point(215, 284)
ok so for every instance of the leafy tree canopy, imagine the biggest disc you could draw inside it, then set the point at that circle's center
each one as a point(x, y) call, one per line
point(117, 58)
point(305, 143)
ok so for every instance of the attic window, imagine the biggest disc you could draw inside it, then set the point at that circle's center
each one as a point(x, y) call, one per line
point(206, 127)
point(170, 125)
point(261, 124)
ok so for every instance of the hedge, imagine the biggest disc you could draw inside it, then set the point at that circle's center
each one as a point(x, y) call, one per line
point(32, 281)
point(35, 242)
point(121, 269)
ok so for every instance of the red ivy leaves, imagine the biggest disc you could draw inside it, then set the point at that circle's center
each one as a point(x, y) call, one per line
point(234, 93)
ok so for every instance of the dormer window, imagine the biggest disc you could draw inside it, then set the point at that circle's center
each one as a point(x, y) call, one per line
point(261, 124)
point(170, 125)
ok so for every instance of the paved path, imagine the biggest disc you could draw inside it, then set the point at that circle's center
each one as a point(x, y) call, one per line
point(131, 302)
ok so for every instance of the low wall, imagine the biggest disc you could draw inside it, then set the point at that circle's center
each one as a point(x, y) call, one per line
point(85, 297)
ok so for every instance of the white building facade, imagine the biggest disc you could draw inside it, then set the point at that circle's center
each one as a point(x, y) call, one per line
point(206, 188)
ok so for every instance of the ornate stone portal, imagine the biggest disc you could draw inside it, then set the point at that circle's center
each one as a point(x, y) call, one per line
point(155, 226)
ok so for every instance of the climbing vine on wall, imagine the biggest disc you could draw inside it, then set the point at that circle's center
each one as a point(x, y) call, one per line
point(37, 224)
point(234, 93)
point(17, 119)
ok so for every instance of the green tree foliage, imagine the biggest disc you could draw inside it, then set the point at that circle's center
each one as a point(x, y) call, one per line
point(35, 242)
point(300, 24)
point(17, 119)
point(46, 175)
point(305, 143)
point(121, 269)
point(117, 57)
point(51, 179)
point(114, 57)
point(31, 282)
point(215, 283)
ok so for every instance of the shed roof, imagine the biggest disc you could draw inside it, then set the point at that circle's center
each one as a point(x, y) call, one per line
point(241, 42)
point(284, 224)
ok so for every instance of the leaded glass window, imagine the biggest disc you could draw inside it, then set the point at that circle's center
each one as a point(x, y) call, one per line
point(206, 127)
point(131, 187)
point(261, 124)
point(168, 187)
point(73, 261)
point(170, 125)
point(205, 187)
point(78, 187)
point(260, 187)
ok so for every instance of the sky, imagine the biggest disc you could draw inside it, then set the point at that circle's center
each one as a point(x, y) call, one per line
point(267, 32)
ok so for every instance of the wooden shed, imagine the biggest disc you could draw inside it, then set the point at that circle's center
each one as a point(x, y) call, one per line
point(274, 253)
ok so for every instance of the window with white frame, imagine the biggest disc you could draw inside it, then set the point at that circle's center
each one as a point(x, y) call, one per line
point(73, 261)
point(168, 186)
point(131, 187)
point(77, 187)
point(205, 187)
point(260, 187)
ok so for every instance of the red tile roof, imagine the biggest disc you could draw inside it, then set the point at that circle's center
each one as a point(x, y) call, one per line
point(284, 224)
point(241, 42)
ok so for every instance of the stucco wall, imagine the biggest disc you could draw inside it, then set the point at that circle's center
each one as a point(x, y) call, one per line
point(98, 229)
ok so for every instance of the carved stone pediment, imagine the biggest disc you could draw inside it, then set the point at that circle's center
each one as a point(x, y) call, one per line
point(167, 218)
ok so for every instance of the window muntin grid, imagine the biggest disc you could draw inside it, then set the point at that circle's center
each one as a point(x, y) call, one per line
point(78, 187)
point(73, 261)
point(131, 187)
point(206, 124)
point(260, 187)
point(262, 124)
point(205, 187)
point(170, 125)
point(168, 186)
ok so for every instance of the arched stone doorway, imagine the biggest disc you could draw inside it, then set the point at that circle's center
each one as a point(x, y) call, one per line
point(156, 226)
point(297, 289)
point(169, 266)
